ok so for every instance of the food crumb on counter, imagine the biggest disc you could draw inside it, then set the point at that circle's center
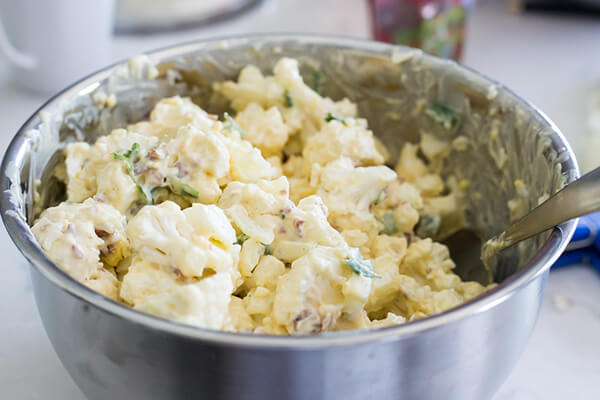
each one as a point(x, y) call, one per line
point(561, 303)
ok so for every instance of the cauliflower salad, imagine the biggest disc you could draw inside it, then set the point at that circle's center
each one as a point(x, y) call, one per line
point(281, 218)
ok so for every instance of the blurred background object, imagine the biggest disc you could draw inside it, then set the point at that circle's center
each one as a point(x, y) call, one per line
point(561, 6)
point(49, 43)
point(151, 16)
point(436, 26)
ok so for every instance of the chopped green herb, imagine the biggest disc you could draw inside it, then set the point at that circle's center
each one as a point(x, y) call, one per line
point(360, 266)
point(428, 225)
point(448, 118)
point(129, 157)
point(288, 99)
point(317, 81)
point(268, 250)
point(389, 223)
point(232, 126)
point(331, 116)
point(241, 238)
point(178, 186)
point(160, 141)
point(282, 216)
point(380, 196)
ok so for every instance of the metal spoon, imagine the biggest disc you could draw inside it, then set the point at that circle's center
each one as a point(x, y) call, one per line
point(579, 198)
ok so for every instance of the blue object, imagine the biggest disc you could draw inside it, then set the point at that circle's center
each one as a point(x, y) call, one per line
point(584, 247)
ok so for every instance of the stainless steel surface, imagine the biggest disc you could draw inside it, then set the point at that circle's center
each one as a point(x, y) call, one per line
point(578, 198)
point(465, 353)
point(574, 200)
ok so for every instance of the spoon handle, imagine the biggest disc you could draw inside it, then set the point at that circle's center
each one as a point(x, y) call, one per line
point(579, 198)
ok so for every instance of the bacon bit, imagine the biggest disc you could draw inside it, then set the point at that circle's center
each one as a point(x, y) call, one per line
point(153, 154)
point(283, 192)
point(182, 169)
point(282, 229)
point(139, 169)
point(404, 294)
point(298, 224)
point(77, 251)
point(101, 233)
point(213, 117)
point(428, 270)
point(401, 179)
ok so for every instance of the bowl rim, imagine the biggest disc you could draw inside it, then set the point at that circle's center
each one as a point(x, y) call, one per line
point(21, 235)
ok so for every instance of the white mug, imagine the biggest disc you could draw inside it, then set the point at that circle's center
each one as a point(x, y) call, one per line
point(52, 43)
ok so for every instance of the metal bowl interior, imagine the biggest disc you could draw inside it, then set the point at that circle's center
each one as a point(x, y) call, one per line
point(509, 140)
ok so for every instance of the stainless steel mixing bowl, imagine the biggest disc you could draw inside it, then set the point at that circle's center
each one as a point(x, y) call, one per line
point(112, 351)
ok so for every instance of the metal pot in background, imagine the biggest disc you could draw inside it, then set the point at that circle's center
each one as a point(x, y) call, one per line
point(465, 353)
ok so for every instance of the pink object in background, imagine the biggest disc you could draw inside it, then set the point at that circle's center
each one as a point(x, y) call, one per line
point(436, 26)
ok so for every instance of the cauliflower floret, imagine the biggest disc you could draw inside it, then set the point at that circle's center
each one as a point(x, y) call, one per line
point(398, 207)
point(348, 192)
point(239, 319)
point(300, 186)
point(255, 208)
point(251, 87)
point(201, 159)
point(387, 288)
point(247, 163)
point(265, 129)
point(314, 107)
point(194, 242)
point(390, 319)
point(75, 156)
point(357, 238)
point(172, 113)
point(416, 300)
point(105, 283)
point(392, 246)
point(302, 228)
point(96, 172)
point(430, 261)
point(308, 109)
point(336, 139)
point(86, 240)
point(150, 288)
point(410, 166)
point(114, 186)
point(318, 291)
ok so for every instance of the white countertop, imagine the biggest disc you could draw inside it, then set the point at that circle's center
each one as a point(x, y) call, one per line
point(553, 62)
